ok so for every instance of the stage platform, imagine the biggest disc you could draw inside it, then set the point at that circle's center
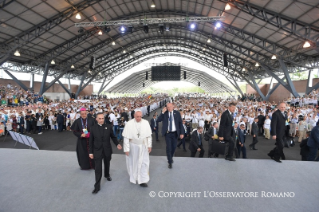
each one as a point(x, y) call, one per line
point(34, 181)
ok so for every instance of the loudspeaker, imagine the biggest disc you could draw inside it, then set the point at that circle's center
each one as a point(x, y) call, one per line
point(198, 83)
point(143, 84)
point(146, 76)
point(184, 74)
point(225, 60)
point(92, 64)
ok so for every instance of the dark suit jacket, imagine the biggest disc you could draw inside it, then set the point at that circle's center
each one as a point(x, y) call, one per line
point(99, 142)
point(226, 129)
point(278, 124)
point(241, 136)
point(254, 129)
point(194, 142)
point(153, 124)
point(177, 119)
point(210, 132)
point(60, 119)
point(21, 120)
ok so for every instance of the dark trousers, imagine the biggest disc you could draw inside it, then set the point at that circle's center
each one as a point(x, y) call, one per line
point(304, 157)
point(171, 142)
point(260, 129)
point(34, 128)
point(241, 149)
point(229, 150)
point(98, 169)
point(21, 129)
point(201, 152)
point(28, 126)
point(312, 154)
point(156, 133)
point(182, 141)
point(278, 151)
point(255, 141)
point(40, 128)
point(60, 127)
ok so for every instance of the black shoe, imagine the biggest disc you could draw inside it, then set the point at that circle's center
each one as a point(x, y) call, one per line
point(170, 166)
point(255, 149)
point(277, 160)
point(230, 159)
point(108, 178)
point(143, 185)
point(95, 191)
point(157, 140)
point(272, 157)
point(178, 147)
point(185, 150)
point(250, 147)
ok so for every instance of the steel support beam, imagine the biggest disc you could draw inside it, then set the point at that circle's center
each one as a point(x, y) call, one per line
point(66, 90)
point(80, 85)
point(288, 79)
point(44, 78)
point(16, 80)
point(256, 86)
point(32, 81)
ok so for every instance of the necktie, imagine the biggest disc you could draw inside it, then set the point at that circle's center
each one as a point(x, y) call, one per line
point(170, 122)
point(199, 139)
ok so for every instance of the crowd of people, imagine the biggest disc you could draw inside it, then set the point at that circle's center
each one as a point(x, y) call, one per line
point(27, 112)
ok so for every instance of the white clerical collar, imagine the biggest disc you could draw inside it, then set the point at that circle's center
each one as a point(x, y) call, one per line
point(100, 124)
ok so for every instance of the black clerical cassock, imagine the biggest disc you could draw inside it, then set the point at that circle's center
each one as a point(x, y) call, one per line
point(100, 147)
point(82, 146)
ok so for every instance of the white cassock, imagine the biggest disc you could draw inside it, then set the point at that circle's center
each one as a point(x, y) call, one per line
point(137, 140)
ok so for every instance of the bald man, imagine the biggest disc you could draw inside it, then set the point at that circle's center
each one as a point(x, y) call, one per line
point(278, 127)
point(172, 128)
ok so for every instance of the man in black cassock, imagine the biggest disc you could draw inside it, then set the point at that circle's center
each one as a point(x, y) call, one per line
point(100, 148)
point(82, 147)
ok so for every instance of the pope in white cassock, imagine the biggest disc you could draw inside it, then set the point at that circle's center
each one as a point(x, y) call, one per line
point(137, 146)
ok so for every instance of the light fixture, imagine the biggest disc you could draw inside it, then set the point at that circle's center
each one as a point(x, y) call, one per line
point(145, 28)
point(167, 27)
point(218, 24)
point(306, 45)
point(113, 43)
point(52, 62)
point(122, 29)
point(131, 56)
point(72, 66)
point(161, 29)
point(89, 72)
point(244, 69)
point(227, 7)
point(100, 32)
point(204, 49)
point(257, 64)
point(274, 57)
point(153, 4)
point(78, 16)
point(124, 51)
point(17, 53)
point(208, 41)
point(192, 26)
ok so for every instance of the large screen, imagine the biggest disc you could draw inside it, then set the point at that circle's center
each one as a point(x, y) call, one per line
point(166, 73)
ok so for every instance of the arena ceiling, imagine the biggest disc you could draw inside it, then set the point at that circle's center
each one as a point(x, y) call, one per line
point(252, 33)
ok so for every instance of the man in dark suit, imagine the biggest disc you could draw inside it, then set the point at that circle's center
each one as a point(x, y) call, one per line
point(154, 126)
point(226, 131)
point(304, 149)
point(21, 123)
point(148, 110)
point(172, 128)
point(196, 142)
point(254, 133)
point(60, 121)
point(241, 140)
point(261, 121)
point(278, 127)
point(100, 148)
point(182, 141)
point(212, 133)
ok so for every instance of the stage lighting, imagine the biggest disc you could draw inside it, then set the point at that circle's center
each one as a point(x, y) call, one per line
point(218, 25)
point(130, 29)
point(192, 26)
point(106, 29)
point(123, 29)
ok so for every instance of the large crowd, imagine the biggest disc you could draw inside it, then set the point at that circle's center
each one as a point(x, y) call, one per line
point(27, 112)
